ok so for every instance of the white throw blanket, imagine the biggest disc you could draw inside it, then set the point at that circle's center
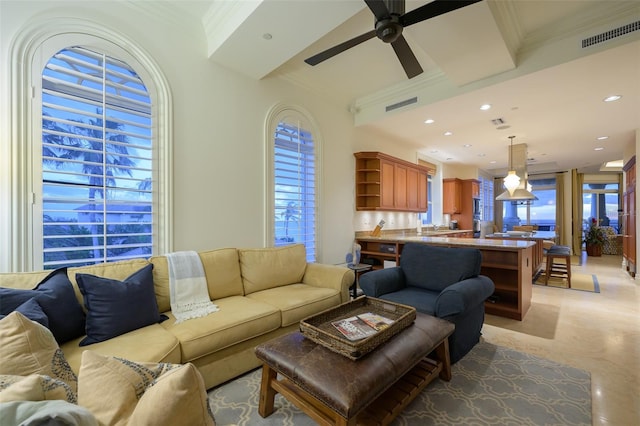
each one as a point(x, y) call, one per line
point(188, 286)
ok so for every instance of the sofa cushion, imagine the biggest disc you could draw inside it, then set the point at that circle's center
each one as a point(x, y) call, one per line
point(221, 268)
point(298, 301)
point(30, 348)
point(116, 307)
point(238, 319)
point(151, 343)
point(56, 297)
point(435, 268)
point(272, 267)
point(423, 300)
point(142, 393)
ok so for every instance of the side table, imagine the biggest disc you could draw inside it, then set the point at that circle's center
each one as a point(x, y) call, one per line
point(359, 269)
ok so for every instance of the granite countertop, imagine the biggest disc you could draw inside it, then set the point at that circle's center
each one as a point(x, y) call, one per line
point(403, 237)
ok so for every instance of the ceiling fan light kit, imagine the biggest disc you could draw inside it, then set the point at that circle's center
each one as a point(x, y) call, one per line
point(390, 20)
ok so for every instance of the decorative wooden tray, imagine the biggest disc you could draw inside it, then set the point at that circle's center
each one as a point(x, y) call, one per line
point(319, 328)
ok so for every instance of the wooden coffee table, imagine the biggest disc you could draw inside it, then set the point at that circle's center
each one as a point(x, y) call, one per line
point(334, 390)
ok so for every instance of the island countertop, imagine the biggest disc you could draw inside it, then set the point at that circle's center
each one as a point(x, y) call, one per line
point(508, 244)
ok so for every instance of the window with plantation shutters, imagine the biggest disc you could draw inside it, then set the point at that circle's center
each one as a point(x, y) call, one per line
point(294, 178)
point(97, 198)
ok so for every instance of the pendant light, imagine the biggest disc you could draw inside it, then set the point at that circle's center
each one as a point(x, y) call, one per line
point(512, 180)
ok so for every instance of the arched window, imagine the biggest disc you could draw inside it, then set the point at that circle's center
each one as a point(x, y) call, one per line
point(97, 160)
point(293, 179)
point(92, 126)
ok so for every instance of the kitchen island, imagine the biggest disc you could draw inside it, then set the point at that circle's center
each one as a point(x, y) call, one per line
point(508, 263)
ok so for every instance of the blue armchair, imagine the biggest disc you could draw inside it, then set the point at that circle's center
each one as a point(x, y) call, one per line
point(441, 281)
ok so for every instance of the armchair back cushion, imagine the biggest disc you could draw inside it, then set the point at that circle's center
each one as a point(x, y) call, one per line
point(444, 265)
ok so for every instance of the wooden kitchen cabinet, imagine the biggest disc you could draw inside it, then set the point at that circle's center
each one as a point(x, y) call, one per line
point(387, 183)
point(452, 196)
point(629, 217)
point(475, 188)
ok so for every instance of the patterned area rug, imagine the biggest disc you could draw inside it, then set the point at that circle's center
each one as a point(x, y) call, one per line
point(582, 282)
point(491, 385)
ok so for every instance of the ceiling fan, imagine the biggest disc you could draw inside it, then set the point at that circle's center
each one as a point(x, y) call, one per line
point(390, 21)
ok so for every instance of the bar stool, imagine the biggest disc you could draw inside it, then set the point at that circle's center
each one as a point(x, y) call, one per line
point(558, 269)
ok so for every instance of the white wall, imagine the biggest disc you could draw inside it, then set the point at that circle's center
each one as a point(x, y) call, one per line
point(218, 133)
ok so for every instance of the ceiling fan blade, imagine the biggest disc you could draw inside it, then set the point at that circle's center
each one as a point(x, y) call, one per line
point(430, 10)
point(378, 8)
point(333, 51)
point(407, 58)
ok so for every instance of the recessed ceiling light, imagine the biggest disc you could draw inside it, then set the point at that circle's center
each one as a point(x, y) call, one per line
point(601, 138)
point(612, 98)
point(492, 162)
point(429, 121)
point(614, 164)
point(598, 148)
point(447, 133)
point(485, 107)
point(466, 145)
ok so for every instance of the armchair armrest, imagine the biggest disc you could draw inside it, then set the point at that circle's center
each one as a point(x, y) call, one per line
point(459, 297)
point(330, 276)
point(382, 281)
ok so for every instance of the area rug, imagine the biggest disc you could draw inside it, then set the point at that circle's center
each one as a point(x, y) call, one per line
point(491, 385)
point(581, 282)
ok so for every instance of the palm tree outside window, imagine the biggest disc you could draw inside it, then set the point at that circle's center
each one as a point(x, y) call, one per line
point(97, 182)
point(294, 184)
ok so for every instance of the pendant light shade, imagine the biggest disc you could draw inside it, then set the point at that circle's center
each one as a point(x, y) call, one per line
point(511, 181)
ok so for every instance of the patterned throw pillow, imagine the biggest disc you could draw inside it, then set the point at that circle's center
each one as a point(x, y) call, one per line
point(34, 387)
point(142, 393)
point(30, 348)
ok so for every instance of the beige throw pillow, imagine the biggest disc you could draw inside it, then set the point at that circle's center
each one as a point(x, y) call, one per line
point(34, 387)
point(142, 393)
point(30, 348)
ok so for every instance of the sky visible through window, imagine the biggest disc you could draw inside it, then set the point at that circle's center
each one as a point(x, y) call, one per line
point(96, 160)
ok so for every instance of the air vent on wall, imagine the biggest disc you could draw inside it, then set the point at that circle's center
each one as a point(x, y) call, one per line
point(611, 34)
point(401, 104)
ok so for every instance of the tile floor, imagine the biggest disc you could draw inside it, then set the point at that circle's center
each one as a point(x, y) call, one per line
point(597, 332)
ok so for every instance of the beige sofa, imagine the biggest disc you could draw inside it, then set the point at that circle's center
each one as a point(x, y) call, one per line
point(261, 293)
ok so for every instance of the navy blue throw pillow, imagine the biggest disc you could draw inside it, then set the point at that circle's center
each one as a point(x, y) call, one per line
point(11, 298)
point(32, 310)
point(57, 300)
point(117, 307)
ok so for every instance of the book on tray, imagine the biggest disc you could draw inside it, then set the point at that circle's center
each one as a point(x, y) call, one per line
point(361, 326)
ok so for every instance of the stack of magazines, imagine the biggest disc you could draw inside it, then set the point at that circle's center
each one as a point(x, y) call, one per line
point(362, 325)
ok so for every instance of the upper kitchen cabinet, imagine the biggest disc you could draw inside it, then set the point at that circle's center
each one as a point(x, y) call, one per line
point(452, 196)
point(388, 183)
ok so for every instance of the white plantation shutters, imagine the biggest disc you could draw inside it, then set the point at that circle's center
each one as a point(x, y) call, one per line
point(294, 176)
point(96, 161)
